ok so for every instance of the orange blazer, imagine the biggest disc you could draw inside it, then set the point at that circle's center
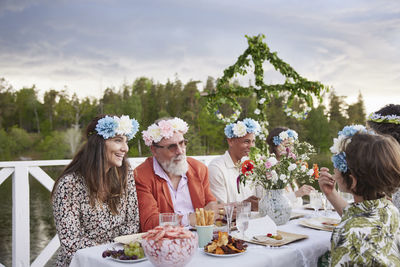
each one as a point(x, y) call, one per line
point(153, 192)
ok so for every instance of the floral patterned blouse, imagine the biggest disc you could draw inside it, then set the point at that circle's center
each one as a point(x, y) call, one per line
point(368, 235)
point(80, 225)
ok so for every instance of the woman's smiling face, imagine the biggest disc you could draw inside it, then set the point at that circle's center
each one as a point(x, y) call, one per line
point(116, 149)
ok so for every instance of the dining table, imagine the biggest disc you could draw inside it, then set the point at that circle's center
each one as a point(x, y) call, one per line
point(304, 252)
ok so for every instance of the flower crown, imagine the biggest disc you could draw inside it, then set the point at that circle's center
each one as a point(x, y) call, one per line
point(241, 128)
point(109, 127)
point(289, 134)
point(340, 144)
point(164, 129)
point(376, 117)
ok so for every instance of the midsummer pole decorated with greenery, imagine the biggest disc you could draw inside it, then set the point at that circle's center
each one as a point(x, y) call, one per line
point(294, 86)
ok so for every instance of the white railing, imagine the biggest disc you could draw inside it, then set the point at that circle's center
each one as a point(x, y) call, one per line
point(20, 171)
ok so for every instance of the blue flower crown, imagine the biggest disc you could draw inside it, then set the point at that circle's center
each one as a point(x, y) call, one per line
point(241, 128)
point(340, 143)
point(288, 134)
point(109, 127)
point(376, 117)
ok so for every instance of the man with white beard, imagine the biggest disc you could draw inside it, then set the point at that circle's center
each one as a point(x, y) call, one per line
point(169, 181)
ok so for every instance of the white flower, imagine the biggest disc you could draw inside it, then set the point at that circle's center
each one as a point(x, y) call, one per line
point(240, 129)
point(282, 177)
point(257, 111)
point(155, 132)
point(262, 100)
point(243, 159)
point(310, 172)
point(303, 168)
point(292, 167)
point(219, 116)
point(124, 125)
point(283, 135)
point(274, 176)
point(272, 160)
point(179, 125)
point(337, 144)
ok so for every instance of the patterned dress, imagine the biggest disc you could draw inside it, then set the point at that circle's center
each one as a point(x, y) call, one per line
point(80, 225)
point(368, 235)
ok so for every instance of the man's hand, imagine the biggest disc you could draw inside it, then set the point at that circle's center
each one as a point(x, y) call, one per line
point(254, 202)
point(304, 190)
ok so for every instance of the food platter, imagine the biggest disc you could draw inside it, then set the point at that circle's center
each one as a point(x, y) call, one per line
point(126, 239)
point(225, 255)
point(129, 261)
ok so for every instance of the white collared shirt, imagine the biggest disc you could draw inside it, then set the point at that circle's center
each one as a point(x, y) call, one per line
point(181, 196)
point(223, 176)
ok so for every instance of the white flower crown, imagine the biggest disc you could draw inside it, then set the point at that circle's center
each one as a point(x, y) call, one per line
point(164, 129)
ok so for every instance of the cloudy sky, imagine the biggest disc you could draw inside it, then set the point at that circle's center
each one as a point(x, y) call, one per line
point(87, 46)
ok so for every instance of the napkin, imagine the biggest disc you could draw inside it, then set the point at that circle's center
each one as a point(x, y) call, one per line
point(261, 226)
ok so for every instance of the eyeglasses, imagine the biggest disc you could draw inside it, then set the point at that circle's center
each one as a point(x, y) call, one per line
point(174, 147)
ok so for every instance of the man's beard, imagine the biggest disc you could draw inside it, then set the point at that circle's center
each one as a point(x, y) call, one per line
point(179, 168)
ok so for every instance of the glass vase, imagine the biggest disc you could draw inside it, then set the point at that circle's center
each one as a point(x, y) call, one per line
point(276, 205)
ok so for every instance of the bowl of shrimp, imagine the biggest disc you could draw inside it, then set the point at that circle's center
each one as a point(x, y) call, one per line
point(169, 245)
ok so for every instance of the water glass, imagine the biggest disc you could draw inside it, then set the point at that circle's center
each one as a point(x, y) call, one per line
point(168, 219)
point(242, 222)
point(228, 213)
point(315, 201)
point(244, 206)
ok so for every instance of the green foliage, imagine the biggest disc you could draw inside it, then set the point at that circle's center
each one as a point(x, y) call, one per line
point(54, 146)
point(259, 52)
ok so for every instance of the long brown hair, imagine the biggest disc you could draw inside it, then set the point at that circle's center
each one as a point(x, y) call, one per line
point(374, 160)
point(90, 162)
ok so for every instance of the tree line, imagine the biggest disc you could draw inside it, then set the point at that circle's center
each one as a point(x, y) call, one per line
point(52, 128)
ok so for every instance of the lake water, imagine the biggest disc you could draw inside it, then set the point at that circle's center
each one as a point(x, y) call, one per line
point(42, 228)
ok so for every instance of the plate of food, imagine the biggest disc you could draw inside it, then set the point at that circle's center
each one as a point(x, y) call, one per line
point(224, 245)
point(126, 239)
point(127, 253)
point(320, 223)
point(270, 238)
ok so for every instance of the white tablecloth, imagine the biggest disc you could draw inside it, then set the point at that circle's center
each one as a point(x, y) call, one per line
point(301, 253)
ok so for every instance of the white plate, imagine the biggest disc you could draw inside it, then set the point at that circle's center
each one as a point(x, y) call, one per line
point(129, 261)
point(264, 238)
point(318, 223)
point(225, 255)
point(126, 239)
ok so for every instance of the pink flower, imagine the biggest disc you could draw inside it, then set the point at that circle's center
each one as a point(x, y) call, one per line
point(166, 129)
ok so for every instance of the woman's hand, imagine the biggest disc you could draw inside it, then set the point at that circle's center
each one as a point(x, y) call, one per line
point(326, 182)
point(304, 190)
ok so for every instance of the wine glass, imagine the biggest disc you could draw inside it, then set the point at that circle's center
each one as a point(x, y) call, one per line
point(242, 222)
point(228, 213)
point(315, 201)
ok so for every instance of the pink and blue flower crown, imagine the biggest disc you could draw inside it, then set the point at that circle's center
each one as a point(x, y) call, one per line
point(241, 128)
point(109, 127)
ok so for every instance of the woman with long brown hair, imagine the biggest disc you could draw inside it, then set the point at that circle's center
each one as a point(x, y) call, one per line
point(94, 199)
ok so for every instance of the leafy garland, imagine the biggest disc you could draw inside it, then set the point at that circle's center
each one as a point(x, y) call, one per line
point(259, 52)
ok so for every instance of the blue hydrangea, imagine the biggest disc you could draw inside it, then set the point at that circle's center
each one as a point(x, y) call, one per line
point(135, 128)
point(277, 140)
point(291, 133)
point(106, 127)
point(339, 162)
point(252, 126)
point(229, 131)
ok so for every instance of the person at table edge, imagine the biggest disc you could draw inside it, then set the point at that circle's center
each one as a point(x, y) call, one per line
point(94, 199)
point(169, 181)
point(240, 137)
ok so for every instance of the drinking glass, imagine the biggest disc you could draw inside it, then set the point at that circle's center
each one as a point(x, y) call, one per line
point(242, 222)
point(315, 201)
point(244, 206)
point(228, 213)
point(168, 219)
